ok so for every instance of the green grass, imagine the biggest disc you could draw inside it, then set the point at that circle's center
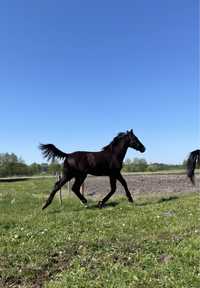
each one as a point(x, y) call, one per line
point(152, 243)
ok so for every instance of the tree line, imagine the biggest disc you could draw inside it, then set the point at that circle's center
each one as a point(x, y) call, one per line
point(11, 165)
point(141, 165)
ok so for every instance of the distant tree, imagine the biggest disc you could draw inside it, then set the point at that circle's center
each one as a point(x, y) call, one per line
point(141, 165)
point(35, 169)
point(19, 169)
point(44, 168)
point(135, 165)
point(153, 167)
point(11, 165)
point(54, 168)
point(127, 166)
point(8, 158)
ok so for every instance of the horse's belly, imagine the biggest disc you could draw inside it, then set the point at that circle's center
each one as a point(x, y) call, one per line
point(99, 172)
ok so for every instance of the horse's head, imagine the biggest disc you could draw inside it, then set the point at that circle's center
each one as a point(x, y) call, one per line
point(134, 142)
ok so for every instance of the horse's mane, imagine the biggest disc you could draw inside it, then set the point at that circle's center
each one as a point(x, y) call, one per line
point(114, 142)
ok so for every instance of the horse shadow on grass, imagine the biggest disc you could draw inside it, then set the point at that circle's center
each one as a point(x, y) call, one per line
point(90, 206)
point(161, 200)
point(112, 204)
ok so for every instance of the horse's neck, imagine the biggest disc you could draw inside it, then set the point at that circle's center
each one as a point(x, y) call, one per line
point(120, 151)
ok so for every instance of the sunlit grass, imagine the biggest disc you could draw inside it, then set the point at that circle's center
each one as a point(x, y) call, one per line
point(152, 243)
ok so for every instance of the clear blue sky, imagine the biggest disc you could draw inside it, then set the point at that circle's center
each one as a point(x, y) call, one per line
point(75, 73)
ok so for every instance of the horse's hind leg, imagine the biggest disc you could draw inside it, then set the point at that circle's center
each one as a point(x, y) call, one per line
point(113, 188)
point(57, 187)
point(76, 187)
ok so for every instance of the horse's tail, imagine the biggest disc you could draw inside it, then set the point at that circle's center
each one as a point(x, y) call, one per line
point(50, 151)
point(193, 159)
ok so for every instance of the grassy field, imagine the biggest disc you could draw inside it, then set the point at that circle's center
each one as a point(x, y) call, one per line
point(151, 243)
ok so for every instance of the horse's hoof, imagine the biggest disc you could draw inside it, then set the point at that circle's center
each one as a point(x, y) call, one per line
point(130, 200)
point(44, 207)
point(101, 205)
point(84, 203)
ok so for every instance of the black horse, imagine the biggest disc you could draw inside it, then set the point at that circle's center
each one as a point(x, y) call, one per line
point(107, 162)
point(192, 162)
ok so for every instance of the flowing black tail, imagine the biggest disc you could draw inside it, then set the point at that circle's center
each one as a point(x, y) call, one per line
point(50, 151)
point(193, 159)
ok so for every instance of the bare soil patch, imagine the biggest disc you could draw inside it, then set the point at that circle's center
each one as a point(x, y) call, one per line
point(144, 185)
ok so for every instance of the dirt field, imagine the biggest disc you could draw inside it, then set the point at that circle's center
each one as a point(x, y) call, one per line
point(140, 185)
